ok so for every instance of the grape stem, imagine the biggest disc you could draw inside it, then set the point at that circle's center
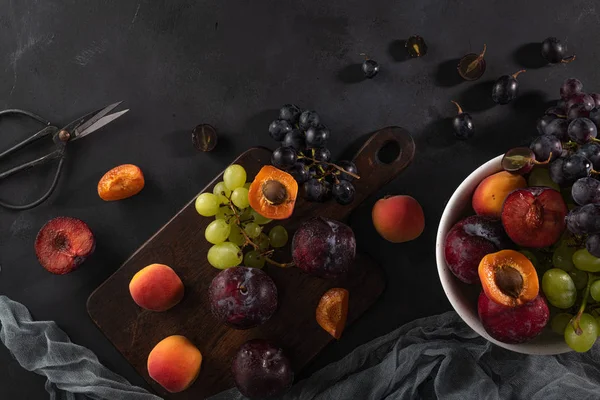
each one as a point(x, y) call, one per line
point(569, 59)
point(518, 73)
point(473, 64)
point(586, 293)
point(460, 110)
point(331, 165)
point(536, 162)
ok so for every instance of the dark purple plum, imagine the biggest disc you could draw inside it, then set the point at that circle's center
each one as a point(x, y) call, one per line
point(324, 247)
point(260, 369)
point(469, 241)
point(242, 297)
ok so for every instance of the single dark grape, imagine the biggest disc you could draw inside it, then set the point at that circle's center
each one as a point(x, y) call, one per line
point(343, 192)
point(309, 118)
point(578, 111)
point(317, 190)
point(555, 170)
point(506, 89)
point(559, 128)
point(553, 50)
point(584, 99)
point(472, 66)
point(321, 154)
point(416, 46)
point(543, 122)
point(370, 68)
point(300, 172)
point(582, 130)
point(584, 220)
point(317, 136)
point(591, 151)
point(204, 137)
point(570, 87)
point(284, 157)
point(462, 124)
point(279, 128)
point(586, 190)
point(290, 113)
point(593, 245)
point(596, 97)
point(295, 139)
point(346, 166)
point(594, 116)
point(575, 167)
point(543, 145)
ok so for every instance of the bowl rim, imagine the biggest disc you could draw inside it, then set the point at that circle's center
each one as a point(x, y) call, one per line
point(488, 168)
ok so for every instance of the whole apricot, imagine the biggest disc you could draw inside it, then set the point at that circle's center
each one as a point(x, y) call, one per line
point(398, 218)
point(174, 363)
point(121, 182)
point(493, 190)
point(156, 287)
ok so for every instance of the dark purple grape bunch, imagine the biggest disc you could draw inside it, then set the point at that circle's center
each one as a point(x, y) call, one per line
point(569, 131)
point(304, 155)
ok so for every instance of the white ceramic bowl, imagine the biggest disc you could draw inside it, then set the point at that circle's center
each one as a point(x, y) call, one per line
point(463, 297)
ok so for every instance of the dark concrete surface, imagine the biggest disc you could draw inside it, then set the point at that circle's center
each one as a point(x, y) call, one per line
point(232, 64)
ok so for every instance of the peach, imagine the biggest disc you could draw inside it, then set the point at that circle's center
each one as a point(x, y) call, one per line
point(174, 363)
point(493, 190)
point(156, 287)
point(398, 218)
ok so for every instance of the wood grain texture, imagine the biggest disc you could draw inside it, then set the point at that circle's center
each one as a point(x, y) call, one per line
point(181, 245)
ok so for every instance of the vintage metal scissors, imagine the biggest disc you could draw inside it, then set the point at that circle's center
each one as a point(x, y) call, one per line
point(77, 129)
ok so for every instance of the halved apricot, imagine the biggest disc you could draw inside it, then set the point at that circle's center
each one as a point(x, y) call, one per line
point(332, 311)
point(508, 278)
point(273, 193)
point(121, 182)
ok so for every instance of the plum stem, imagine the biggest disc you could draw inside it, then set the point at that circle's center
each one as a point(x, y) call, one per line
point(518, 73)
point(460, 110)
point(329, 164)
point(473, 64)
point(586, 293)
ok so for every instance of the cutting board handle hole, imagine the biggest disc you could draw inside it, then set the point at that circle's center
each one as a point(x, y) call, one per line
point(389, 152)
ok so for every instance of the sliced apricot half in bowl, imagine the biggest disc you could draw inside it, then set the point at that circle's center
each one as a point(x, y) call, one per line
point(273, 193)
point(508, 278)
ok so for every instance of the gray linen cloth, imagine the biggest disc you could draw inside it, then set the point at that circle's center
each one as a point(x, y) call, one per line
point(73, 372)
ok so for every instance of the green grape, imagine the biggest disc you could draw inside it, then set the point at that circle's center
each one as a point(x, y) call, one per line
point(563, 257)
point(584, 261)
point(278, 236)
point(239, 197)
point(234, 176)
point(580, 278)
point(247, 185)
point(530, 256)
point(259, 219)
point(217, 231)
point(263, 242)
point(559, 322)
point(224, 255)
point(589, 333)
point(252, 230)
point(246, 214)
point(559, 288)
point(207, 204)
point(541, 177)
point(225, 212)
point(235, 236)
point(253, 259)
point(595, 290)
point(222, 192)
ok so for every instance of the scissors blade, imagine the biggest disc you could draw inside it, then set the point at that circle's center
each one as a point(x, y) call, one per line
point(91, 118)
point(100, 123)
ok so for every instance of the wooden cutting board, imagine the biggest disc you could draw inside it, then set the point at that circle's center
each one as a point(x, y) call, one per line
point(181, 245)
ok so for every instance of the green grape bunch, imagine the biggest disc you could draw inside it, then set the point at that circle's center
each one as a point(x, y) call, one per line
point(237, 227)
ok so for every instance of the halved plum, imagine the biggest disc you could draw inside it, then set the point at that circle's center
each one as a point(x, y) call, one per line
point(534, 216)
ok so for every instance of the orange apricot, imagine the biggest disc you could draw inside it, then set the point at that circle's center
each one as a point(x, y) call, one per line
point(508, 278)
point(156, 287)
point(174, 363)
point(398, 218)
point(332, 311)
point(273, 193)
point(121, 182)
point(493, 190)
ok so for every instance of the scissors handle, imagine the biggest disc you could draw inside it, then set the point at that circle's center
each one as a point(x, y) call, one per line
point(57, 154)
